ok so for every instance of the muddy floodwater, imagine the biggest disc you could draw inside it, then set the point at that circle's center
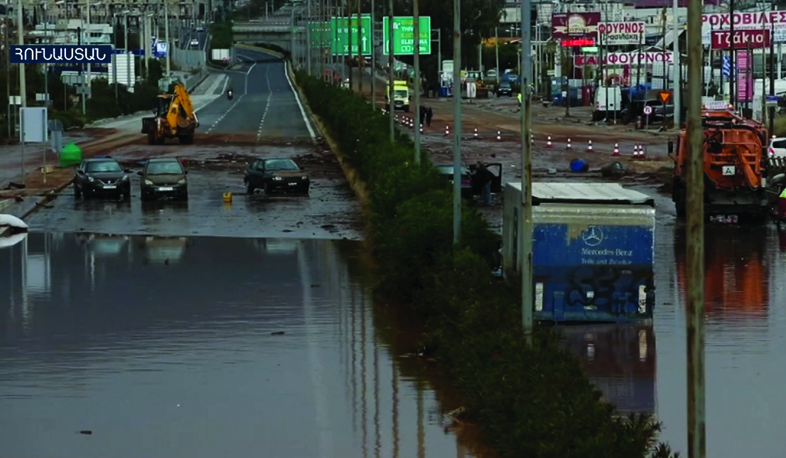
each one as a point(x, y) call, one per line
point(169, 347)
point(200, 347)
point(643, 368)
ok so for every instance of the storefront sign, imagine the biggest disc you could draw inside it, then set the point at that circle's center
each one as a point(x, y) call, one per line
point(574, 25)
point(743, 39)
point(621, 33)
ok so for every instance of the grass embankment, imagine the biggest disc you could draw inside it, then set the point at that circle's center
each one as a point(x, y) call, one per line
point(532, 401)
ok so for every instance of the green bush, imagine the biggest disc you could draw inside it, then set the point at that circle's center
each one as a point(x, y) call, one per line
point(530, 400)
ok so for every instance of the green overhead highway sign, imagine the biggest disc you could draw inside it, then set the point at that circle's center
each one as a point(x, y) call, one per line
point(404, 35)
point(339, 28)
point(321, 35)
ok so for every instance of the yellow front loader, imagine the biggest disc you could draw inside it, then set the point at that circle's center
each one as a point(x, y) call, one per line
point(174, 118)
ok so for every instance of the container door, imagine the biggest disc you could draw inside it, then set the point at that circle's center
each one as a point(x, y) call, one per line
point(496, 182)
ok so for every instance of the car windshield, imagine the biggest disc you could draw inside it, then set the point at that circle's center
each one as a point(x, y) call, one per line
point(280, 165)
point(164, 168)
point(505, 84)
point(103, 166)
point(400, 93)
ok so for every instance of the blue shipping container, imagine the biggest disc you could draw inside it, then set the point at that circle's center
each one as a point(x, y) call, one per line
point(592, 262)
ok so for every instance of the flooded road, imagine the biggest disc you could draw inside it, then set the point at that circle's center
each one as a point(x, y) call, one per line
point(643, 368)
point(200, 347)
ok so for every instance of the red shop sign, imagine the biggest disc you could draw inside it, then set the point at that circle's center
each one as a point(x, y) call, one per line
point(743, 39)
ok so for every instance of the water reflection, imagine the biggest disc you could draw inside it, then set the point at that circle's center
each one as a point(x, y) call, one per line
point(737, 272)
point(184, 358)
point(620, 360)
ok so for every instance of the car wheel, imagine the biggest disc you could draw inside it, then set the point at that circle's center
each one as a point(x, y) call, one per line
point(151, 138)
point(267, 188)
point(127, 196)
point(250, 188)
point(77, 192)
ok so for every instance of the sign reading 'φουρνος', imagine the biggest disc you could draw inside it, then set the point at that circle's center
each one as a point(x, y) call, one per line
point(66, 54)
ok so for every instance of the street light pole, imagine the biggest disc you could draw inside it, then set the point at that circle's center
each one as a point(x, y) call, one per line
point(694, 249)
point(391, 75)
point(373, 62)
point(527, 295)
point(677, 82)
point(496, 50)
point(416, 20)
point(166, 38)
point(456, 120)
point(308, 38)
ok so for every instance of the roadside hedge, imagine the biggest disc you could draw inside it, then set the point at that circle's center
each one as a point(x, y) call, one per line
point(530, 401)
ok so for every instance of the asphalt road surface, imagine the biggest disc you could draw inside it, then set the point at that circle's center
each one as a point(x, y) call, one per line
point(264, 103)
point(264, 120)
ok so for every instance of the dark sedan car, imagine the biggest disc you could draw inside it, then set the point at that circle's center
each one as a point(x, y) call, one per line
point(101, 176)
point(164, 177)
point(276, 174)
point(504, 89)
point(446, 170)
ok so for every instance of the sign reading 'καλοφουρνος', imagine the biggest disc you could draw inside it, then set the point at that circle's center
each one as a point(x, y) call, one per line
point(65, 54)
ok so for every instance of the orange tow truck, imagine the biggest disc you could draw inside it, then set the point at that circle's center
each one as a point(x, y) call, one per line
point(734, 150)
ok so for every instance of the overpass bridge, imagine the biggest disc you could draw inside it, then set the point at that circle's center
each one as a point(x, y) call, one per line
point(279, 32)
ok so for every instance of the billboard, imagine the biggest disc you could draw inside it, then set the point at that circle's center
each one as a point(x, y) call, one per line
point(574, 25)
point(774, 21)
point(621, 33)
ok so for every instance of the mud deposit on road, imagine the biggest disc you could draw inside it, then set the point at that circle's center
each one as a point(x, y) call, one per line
point(330, 210)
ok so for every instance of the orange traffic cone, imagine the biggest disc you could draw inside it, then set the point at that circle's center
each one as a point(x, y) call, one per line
point(589, 147)
point(548, 143)
point(616, 149)
point(569, 147)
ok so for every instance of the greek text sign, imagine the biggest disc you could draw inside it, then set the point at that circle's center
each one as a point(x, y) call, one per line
point(621, 33)
point(71, 54)
point(761, 19)
point(404, 35)
point(627, 58)
point(742, 39)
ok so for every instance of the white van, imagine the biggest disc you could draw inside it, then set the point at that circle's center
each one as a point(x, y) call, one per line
point(608, 100)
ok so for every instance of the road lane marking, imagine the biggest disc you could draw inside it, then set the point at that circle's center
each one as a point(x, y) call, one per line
point(221, 118)
point(267, 105)
point(300, 105)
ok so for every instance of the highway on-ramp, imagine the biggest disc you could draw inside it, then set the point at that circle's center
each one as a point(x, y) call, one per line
point(265, 104)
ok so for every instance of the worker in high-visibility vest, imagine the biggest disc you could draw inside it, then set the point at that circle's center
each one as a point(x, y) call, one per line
point(782, 206)
point(519, 97)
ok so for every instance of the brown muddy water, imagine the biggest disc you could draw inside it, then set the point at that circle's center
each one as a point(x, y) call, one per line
point(165, 347)
point(200, 347)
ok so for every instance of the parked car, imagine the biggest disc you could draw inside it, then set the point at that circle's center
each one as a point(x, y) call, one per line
point(276, 174)
point(777, 147)
point(164, 177)
point(194, 43)
point(504, 88)
point(446, 170)
point(101, 176)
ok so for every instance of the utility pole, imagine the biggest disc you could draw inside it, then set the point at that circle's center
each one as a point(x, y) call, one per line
point(373, 61)
point(677, 81)
point(416, 20)
point(360, 51)
point(456, 120)
point(734, 74)
point(308, 38)
point(166, 38)
point(527, 295)
point(87, 42)
point(129, 59)
point(694, 250)
point(349, 43)
point(21, 39)
point(496, 50)
point(391, 74)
